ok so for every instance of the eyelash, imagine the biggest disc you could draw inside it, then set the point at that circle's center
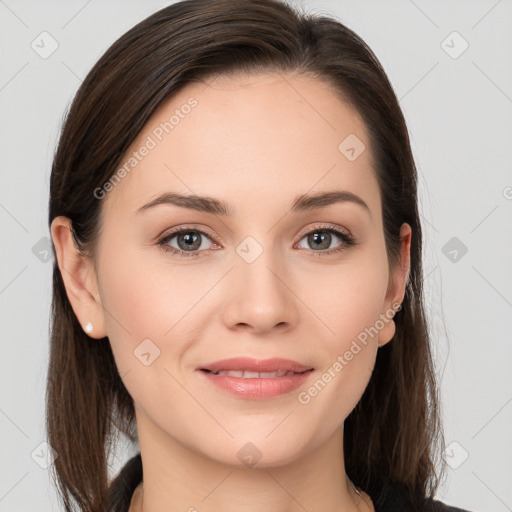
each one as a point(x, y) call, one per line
point(348, 241)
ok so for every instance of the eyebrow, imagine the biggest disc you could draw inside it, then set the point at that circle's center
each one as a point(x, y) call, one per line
point(207, 204)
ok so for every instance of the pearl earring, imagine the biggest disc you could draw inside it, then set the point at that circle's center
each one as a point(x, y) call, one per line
point(88, 327)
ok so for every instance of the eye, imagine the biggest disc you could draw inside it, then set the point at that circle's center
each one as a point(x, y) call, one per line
point(192, 241)
point(189, 240)
point(322, 238)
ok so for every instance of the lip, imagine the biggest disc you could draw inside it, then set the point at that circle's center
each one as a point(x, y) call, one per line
point(256, 365)
point(258, 388)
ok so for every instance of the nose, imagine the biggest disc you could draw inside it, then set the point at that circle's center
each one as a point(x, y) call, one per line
point(259, 296)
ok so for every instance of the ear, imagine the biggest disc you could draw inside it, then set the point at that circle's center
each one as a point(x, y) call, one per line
point(396, 286)
point(79, 276)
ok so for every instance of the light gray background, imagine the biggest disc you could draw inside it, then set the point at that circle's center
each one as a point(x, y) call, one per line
point(459, 113)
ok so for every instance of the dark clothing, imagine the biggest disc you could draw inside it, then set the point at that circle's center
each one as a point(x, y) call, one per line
point(386, 498)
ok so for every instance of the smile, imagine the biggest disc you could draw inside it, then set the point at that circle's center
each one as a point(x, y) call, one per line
point(250, 385)
point(252, 375)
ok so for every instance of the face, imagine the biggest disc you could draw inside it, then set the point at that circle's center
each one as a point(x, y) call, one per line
point(264, 279)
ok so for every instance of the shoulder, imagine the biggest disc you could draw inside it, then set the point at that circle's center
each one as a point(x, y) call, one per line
point(438, 506)
point(389, 497)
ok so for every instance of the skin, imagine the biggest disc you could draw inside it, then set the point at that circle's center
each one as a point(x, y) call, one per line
point(257, 142)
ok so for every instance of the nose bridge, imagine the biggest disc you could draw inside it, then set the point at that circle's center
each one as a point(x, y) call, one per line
point(258, 293)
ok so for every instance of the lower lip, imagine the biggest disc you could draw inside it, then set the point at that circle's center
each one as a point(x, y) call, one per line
point(259, 388)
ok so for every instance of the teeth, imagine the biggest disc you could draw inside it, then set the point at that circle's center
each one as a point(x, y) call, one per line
point(253, 375)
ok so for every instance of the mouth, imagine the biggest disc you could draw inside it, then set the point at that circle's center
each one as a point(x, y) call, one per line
point(246, 374)
point(256, 379)
point(250, 368)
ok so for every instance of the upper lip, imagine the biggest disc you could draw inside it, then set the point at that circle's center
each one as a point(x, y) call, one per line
point(256, 365)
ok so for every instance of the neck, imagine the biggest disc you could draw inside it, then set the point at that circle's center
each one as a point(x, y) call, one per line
point(177, 479)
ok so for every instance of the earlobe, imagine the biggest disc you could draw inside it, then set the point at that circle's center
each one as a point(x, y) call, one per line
point(79, 279)
point(397, 285)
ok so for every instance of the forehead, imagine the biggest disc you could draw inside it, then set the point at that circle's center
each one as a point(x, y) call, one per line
point(258, 138)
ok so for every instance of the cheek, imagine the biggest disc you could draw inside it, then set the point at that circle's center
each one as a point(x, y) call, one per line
point(148, 298)
point(347, 298)
point(138, 303)
point(142, 290)
point(351, 310)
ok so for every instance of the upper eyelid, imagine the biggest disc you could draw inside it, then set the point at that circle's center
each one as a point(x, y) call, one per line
point(302, 233)
point(325, 226)
point(174, 232)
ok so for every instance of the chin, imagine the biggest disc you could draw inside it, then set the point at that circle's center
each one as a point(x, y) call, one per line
point(257, 451)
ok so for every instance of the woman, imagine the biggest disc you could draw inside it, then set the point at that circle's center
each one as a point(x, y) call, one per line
point(238, 284)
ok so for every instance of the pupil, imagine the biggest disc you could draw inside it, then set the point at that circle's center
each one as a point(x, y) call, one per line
point(190, 240)
point(321, 237)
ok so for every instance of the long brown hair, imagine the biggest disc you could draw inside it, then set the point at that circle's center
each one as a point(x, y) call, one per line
point(394, 433)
